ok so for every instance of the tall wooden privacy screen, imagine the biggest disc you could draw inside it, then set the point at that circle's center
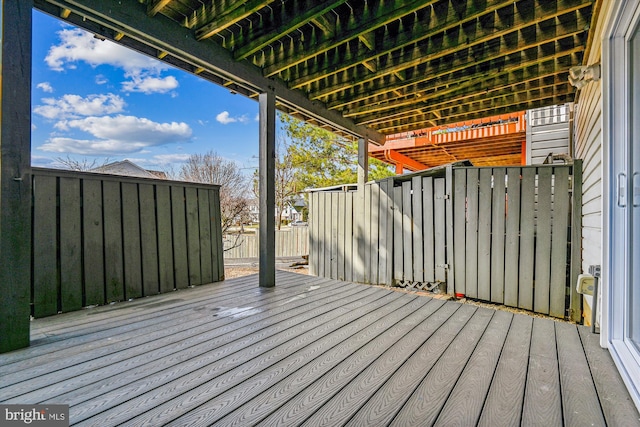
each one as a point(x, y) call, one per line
point(102, 238)
point(496, 234)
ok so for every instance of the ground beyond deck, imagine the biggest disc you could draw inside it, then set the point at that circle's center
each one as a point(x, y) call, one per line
point(314, 352)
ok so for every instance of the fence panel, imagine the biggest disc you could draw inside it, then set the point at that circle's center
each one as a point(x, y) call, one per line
point(102, 238)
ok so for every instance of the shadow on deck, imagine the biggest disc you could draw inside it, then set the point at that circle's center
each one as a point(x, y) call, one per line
point(316, 352)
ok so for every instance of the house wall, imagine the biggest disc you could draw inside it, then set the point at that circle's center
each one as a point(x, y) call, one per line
point(588, 147)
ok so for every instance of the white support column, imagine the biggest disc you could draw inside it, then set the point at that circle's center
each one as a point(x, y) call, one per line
point(267, 275)
point(360, 234)
point(15, 174)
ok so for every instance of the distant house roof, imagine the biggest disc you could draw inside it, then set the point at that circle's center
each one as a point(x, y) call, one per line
point(128, 168)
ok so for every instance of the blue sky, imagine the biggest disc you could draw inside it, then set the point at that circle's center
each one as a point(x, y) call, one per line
point(93, 99)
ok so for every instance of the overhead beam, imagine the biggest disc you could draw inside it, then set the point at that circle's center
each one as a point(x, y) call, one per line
point(409, 59)
point(390, 13)
point(406, 162)
point(15, 173)
point(307, 11)
point(129, 17)
point(233, 13)
point(156, 6)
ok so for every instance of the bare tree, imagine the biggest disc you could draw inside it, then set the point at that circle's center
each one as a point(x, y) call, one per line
point(211, 168)
point(81, 165)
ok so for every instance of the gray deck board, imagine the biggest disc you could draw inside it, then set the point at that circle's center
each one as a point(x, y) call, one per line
point(315, 352)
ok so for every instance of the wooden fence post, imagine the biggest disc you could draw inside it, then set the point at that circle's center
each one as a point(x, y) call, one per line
point(575, 305)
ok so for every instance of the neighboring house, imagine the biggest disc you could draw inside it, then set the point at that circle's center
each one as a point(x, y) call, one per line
point(606, 128)
point(128, 168)
point(292, 211)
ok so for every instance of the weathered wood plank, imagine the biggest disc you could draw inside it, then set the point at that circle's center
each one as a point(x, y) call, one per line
point(131, 241)
point(558, 284)
point(542, 400)
point(527, 239)
point(165, 238)
point(428, 216)
point(471, 253)
point(93, 242)
point(375, 233)
point(398, 256)
point(512, 238)
point(575, 310)
point(617, 407)
point(503, 405)
point(447, 225)
point(580, 406)
point(366, 236)
point(180, 233)
point(464, 405)
point(148, 240)
point(328, 212)
point(334, 235)
point(543, 242)
point(418, 236)
point(497, 235)
point(113, 251)
point(385, 245)
point(459, 228)
point(348, 231)
point(313, 234)
point(216, 231)
point(45, 244)
point(340, 250)
point(427, 400)
point(71, 292)
point(206, 254)
point(193, 236)
point(440, 234)
point(484, 235)
point(390, 232)
point(407, 232)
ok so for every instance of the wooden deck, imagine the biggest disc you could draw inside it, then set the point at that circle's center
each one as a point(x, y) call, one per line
point(314, 352)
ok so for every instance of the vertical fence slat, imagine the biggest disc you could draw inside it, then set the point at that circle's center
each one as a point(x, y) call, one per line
point(165, 239)
point(70, 245)
point(348, 231)
point(398, 256)
point(575, 302)
point(181, 253)
point(543, 242)
point(383, 214)
point(375, 233)
point(497, 238)
point(527, 227)
point(93, 242)
point(334, 236)
point(114, 273)
point(459, 228)
point(205, 236)
point(428, 216)
point(407, 231)
point(313, 228)
point(471, 250)
point(559, 245)
point(512, 239)
point(45, 241)
point(440, 231)
point(327, 235)
point(148, 240)
point(193, 236)
point(484, 235)
point(342, 238)
point(131, 241)
point(322, 203)
point(418, 236)
point(447, 225)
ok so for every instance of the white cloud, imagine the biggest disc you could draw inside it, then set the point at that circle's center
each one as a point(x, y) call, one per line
point(77, 45)
point(149, 84)
point(117, 135)
point(165, 159)
point(74, 106)
point(100, 79)
point(225, 118)
point(45, 86)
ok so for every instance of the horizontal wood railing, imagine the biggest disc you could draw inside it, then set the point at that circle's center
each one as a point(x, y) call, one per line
point(103, 238)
